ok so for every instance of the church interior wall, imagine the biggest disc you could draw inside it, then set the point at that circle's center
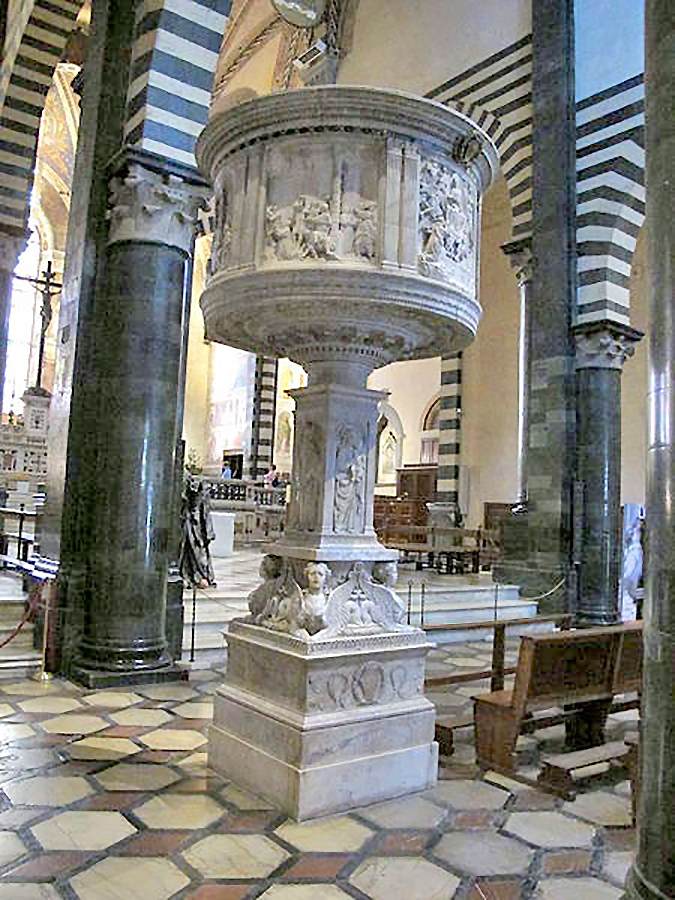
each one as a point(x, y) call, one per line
point(417, 46)
point(197, 374)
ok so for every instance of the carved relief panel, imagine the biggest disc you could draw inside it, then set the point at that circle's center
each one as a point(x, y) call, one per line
point(447, 225)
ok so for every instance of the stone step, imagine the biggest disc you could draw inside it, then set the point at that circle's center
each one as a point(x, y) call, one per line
point(17, 665)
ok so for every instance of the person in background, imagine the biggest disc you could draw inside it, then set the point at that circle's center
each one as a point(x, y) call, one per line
point(271, 477)
point(226, 471)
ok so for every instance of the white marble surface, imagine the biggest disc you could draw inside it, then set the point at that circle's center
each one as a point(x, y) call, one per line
point(223, 543)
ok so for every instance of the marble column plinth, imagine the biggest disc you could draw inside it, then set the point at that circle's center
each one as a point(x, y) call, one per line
point(653, 873)
point(324, 726)
point(601, 350)
point(138, 354)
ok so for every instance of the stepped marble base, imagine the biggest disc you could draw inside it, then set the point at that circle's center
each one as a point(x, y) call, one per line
point(324, 726)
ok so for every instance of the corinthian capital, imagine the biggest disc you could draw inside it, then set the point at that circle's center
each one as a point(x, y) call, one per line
point(148, 206)
point(520, 256)
point(604, 345)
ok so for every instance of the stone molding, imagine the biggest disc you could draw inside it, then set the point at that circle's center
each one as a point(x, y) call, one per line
point(349, 110)
point(11, 248)
point(519, 254)
point(604, 345)
point(150, 207)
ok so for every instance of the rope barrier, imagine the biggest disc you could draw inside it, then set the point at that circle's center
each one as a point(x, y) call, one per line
point(548, 593)
point(33, 606)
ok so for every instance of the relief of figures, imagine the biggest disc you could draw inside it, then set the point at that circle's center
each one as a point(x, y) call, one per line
point(222, 237)
point(351, 465)
point(306, 489)
point(309, 229)
point(447, 227)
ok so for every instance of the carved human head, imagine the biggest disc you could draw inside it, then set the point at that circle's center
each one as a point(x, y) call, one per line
point(386, 573)
point(316, 574)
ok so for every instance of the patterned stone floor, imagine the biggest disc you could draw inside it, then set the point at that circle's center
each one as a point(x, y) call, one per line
point(107, 796)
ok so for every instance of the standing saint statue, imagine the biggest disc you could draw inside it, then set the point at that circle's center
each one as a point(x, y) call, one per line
point(197, 532)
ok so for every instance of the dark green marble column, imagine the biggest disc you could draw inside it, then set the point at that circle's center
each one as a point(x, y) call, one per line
point(653, 874)
point(537, 548)
point(11, 246)
point(137, 376)
point(602, 348)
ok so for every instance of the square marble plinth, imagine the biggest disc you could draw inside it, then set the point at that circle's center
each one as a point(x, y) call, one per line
point(325, 726)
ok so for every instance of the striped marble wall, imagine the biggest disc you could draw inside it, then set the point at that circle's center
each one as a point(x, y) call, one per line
point(29, 58)
point(449, 426)
point(173, 63)
point(264, 411)
point(497, 93)
point(610, 198)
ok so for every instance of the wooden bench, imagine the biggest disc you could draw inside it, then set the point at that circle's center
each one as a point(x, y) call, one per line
point(583, 669)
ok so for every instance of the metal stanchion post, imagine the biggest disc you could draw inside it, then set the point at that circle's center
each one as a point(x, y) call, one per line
point(410, 588)
point(194, 624)
point(42, 674)
point(423, 597)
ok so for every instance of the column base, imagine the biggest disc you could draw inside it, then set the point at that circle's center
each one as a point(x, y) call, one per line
point(98, 678)
point(320, 727)
point(637, 888)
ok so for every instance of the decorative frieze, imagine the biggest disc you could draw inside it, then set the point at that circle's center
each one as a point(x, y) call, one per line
point(149, 207)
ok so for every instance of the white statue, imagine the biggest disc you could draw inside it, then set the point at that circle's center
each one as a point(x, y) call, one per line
point(349, 496)
point(632, 567)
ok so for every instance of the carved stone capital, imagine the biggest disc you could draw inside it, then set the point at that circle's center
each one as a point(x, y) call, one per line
point(11, 247)
point(519, 254)
point(148, 206)
point(604, 345)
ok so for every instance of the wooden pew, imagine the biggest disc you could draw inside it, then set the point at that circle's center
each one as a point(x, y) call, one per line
point(584, 668)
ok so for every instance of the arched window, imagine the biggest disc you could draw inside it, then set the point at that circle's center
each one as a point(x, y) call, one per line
point(21, 318)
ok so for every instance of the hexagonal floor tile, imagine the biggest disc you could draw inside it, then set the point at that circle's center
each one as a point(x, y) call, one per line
point(304, 892)
point(74, 724)
point(383, 878)
point(14, 732)
point(335, 835)
point(83, 831)
point(173, 739)
point(50, 705)
point(31, 688)
point(588, 888)
point(195, 710)
point(465, 794)
point(6, 710)
point(28, 892)
point(112, 699)
point(602, 808)
point(131, 877)
point(180, 811)
point(549, 829)
point(167, 692)
point(11, 847)
point(244, 800)
point(410, 812)
point(102, 748)
point(60, 790)
point(483, 853)
point(136, 777)
point(146, 718)
point(617, 865)
point(235, 856)
point(196, 763)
